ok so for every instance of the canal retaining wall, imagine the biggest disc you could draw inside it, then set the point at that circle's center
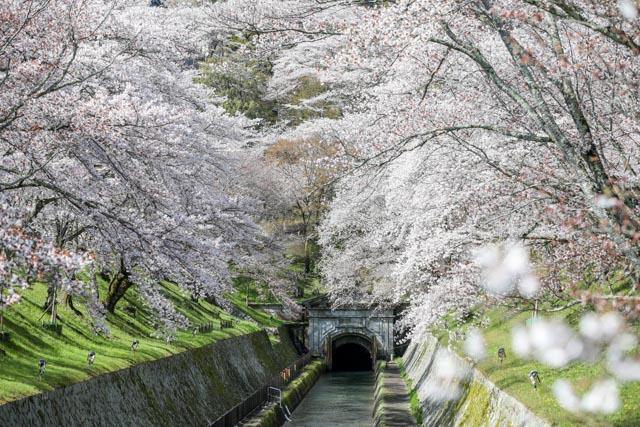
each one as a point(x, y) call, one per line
point(191, 388)
point(453, 393)
point(272, 415)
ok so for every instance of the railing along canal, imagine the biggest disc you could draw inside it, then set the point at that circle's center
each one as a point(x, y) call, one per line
point(261, 396)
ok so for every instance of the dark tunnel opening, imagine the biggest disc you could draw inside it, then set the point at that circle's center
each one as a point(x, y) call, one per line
point(351, 357)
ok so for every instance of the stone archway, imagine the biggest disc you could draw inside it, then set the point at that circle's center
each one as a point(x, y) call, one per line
point(344, 325)
point(352, 351)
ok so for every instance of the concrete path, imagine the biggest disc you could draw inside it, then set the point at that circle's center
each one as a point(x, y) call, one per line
point(396, 410)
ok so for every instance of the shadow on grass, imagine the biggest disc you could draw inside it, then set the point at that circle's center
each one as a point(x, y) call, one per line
point(66, 355)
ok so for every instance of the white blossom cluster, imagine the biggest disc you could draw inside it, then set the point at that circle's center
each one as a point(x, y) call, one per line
point(24, 258)
point(468, 124)
point(503, 272)
point(554, 343)
point(110, 146)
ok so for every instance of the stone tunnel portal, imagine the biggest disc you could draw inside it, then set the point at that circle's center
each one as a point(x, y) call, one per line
point(351, 352)
point(349, 337)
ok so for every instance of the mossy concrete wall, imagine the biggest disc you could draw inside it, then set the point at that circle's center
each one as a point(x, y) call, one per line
point(479, 402)
point(272, 416)
point(191, 388)
point(378, 397)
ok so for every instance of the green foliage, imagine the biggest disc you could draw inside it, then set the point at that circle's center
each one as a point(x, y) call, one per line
point(66, 355)
point(257, 292)
point(241, 81)
point(310, 284)
point(239, 301)
point(308, 88)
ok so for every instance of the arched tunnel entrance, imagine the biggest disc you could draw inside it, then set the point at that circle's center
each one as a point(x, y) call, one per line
point(351, 357)
point(351, 352)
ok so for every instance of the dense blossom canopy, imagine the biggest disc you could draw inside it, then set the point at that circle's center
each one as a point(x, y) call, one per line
point(111, 147)
point(468, 123)
point(455, 153)
point(493, 147)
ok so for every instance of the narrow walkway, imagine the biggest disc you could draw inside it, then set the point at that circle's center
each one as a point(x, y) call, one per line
point(395, 407)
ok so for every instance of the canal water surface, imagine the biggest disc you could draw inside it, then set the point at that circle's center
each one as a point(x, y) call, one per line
point(337, 399)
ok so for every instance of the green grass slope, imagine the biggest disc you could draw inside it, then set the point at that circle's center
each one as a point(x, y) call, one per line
point(66, 355)
point(511, 376)
point(259, 316)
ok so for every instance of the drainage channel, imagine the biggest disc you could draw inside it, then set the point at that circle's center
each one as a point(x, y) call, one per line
point(337, 399)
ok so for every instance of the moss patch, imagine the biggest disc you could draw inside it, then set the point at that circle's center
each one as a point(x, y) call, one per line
point(291, 396)
point(477, 406)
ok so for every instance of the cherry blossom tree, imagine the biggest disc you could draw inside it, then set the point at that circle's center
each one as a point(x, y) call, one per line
point(504, 94)
point(115, 150)
point(468, 124)
point(24, 258)
point(306, 165)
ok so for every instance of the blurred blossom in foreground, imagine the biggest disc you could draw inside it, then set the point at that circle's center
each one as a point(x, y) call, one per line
point(605, 202)
point(628, 9)
point(553, 342)
point(565, 396)
point(606, 330)
point(603, 397)
point(549, 341)
point(624, 367)
point(474, 345)
point(601, 328)
point(505, 268)
point(448, 375)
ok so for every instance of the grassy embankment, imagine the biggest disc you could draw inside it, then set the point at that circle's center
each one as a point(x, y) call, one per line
point(511, 376)
point(261, 317)
point(66, 355)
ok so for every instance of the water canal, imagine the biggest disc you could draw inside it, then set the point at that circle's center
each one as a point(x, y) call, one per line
point(337, 399)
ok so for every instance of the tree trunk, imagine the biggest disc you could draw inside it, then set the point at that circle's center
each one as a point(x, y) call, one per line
point(307, 256)
point(117, 289)
point(1, 309)
point(212, 300)
point(50, 304)
point(305, 235)
point(54, 314)
point(49, 300)
point(118, 286)
point(68, 301)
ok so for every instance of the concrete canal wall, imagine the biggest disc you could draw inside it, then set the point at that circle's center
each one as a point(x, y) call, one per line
point(479, 402)
point(191, 388)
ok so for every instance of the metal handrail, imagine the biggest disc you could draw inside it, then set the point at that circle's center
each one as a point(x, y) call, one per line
point(261, 396)
point(275, 394)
